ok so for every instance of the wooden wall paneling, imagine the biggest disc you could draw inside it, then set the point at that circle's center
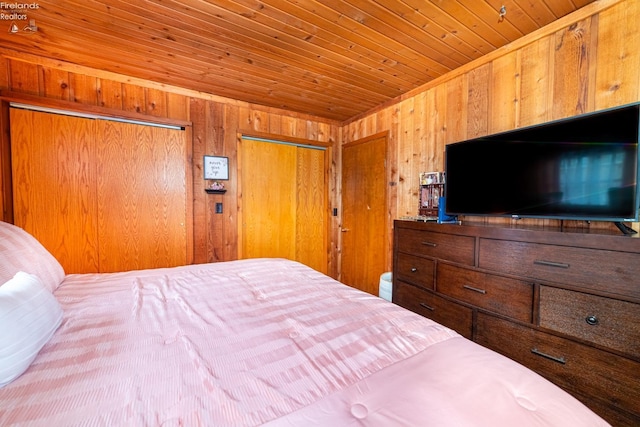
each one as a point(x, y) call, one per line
point(478, 101)
point(276, 124)
point(84, 89)
point(408, 173)
point(288, 126)
point(618, 59)
point(178, 106)
point(156, 102)
point(208, 137)
point(536, 82)
point(571, 70)
point(200, 240)
point(4, 73)
point(55, 83)
point(23, 77)
point(231, 138)
point(369, 125)
point(359, 130)
point(592, 63)
point(134, 98)
point(504, 89)
point(110, 94)
point(332, 134)
point(302, 128)
point(437, 129)
point(386, 119)
point(347, 131)
point(456, 113)
point(253, 119)
point(215, 146)
point(188, 179)
point(356, 130)
point(421, 139)
point(312, 130)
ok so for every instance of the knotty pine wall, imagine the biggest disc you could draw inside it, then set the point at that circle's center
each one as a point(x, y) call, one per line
point(216, 125)
point(587, 61)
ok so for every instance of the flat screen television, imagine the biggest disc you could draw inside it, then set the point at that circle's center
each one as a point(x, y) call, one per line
point(580, 168)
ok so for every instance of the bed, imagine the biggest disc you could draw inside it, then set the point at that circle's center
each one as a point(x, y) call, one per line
point(241, 343)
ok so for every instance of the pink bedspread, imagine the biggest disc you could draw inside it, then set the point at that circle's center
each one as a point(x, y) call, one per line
point(270, 342)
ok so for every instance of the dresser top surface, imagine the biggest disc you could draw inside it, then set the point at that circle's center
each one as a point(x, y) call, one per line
point(595, 239)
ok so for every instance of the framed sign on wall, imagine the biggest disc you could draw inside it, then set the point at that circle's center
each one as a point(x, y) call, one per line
point(216, 167)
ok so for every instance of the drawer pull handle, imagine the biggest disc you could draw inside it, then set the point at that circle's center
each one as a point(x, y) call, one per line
point(592, 320)
point(428, 307)
point(551, 263)
point(471, 288)
point(548, 356)
point(414, 270)
point(433, 245)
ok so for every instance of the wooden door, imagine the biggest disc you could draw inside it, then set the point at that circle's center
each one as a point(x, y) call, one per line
point(54, 197)
point(364, 200)
point(142, 196)
point(284, 202)
point(100, 195)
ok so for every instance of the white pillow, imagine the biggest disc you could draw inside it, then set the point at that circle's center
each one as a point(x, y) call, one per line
point(20, 251)
point(29, 315)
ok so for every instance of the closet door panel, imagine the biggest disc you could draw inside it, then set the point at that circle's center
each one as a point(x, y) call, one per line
point(268, 200)
point(284, 202)
point(54, 185)
point(141, 196)
point(311, 209)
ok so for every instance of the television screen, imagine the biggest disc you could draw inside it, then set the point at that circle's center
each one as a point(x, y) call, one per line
point(584, 167)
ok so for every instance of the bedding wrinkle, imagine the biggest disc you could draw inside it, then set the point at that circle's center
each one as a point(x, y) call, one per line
point(248, 343)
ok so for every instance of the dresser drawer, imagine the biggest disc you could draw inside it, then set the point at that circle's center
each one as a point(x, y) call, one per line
point(615, 272)
point(428, 304)
point(416, 270)
point(510, 297)
point(450, 247)
point(605, 321)
point(577, 368)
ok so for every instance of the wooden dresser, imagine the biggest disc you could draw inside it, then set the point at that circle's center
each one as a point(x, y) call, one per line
point(565, 304)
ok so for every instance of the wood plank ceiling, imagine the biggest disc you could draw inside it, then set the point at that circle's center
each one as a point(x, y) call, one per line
point(329, 58)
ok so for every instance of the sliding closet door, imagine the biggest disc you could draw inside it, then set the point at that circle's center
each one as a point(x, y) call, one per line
point(284, 202)
point(311, 208)
point(100, 195)
point(141, 192)
point(54, 197)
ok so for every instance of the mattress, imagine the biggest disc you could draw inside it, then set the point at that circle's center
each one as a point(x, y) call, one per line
point(265, 342)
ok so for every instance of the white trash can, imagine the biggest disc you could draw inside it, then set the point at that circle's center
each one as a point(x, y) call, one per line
point(386, 287)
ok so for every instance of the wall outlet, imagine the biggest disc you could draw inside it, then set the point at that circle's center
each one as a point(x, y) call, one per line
point(219, 207)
